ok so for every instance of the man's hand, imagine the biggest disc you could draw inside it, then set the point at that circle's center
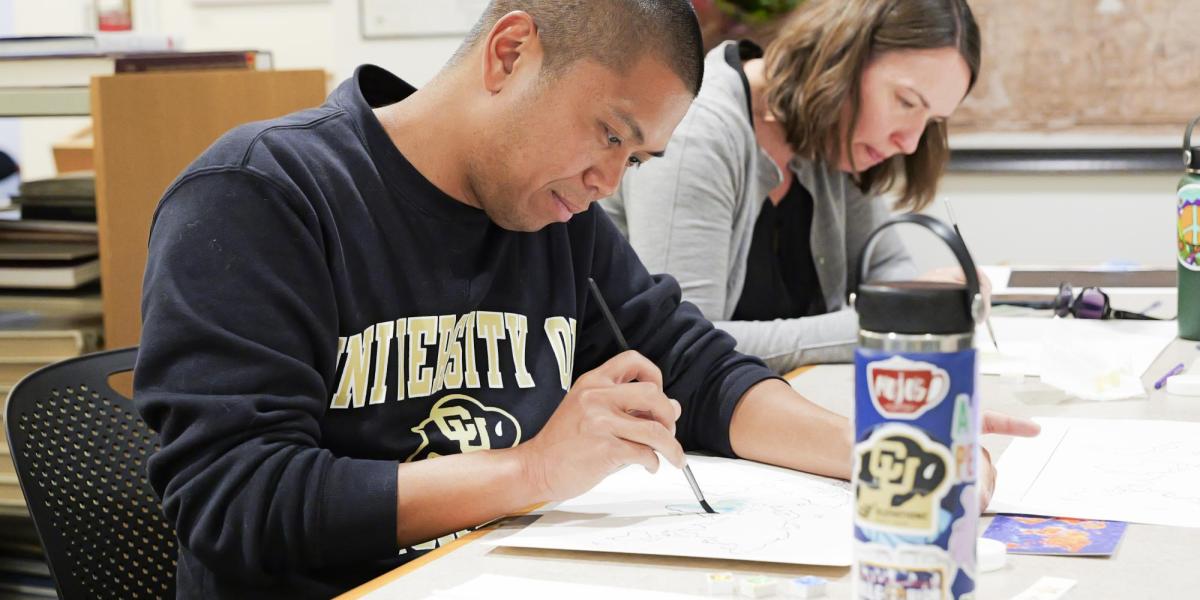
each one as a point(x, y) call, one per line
point(615, 415)
point(994, 422)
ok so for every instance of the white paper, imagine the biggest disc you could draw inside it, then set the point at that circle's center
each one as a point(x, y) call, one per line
point(1047, 588)
point(1091, 359)
point(504, 586)
point(765, 514)
point(1110, 469)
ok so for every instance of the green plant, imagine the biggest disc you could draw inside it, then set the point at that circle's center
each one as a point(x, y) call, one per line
point(757, 11)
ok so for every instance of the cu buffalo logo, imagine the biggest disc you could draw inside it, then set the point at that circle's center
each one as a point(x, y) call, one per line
point(906, 389)
point(900, 479)
point(458, 424)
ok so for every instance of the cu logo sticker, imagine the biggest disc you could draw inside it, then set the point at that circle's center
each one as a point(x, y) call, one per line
point(900, 479)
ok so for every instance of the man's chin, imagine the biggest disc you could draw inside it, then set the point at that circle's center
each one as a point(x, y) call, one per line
point(520, 225)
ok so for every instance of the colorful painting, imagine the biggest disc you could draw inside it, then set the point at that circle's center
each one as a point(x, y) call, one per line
point(1046, 535)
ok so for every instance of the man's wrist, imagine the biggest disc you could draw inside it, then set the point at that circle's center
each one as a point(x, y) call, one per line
point(532, 485)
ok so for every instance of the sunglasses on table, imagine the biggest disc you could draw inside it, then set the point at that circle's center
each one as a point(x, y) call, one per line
point(1090, 303)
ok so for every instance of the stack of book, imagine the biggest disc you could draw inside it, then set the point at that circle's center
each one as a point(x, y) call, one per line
point(23, 569)
point(50, 75)
point(49, 277)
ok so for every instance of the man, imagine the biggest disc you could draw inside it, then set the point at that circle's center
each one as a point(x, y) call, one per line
point(334, 297)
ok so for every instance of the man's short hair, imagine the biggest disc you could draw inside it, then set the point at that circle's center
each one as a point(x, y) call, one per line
point(614, 33)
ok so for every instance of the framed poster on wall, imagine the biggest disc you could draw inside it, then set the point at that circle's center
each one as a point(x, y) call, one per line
point(381, 19)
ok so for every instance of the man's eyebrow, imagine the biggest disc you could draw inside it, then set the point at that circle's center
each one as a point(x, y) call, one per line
point(634, 129)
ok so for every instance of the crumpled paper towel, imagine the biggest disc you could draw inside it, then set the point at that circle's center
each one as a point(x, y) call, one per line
point(1090, 368)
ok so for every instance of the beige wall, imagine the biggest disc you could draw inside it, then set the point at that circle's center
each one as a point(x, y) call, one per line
point(299, 34)
point(1016, 219)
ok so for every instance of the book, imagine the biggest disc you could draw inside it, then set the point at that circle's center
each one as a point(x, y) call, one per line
point(13, 370)
point(36, 251)
point(28, 336)
point(77, 185)
point(73, 227)
point(95, 43)
point(59, 212)
point(25, 566)
point(75, 303)
point(27, 586)
point(44, 102)
point(46, 236)
point(10, 491)
point(37, 230)
point(48, 274)
point(77, 70)
point(190, 61)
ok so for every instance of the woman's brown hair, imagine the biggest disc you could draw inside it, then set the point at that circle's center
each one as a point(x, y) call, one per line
point(814, 68)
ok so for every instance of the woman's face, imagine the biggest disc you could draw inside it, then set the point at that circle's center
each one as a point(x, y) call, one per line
point(901, 92)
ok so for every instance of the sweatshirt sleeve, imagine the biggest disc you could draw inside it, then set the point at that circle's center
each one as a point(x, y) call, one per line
point(699, 365)
point(238, 343)
point(785, 344)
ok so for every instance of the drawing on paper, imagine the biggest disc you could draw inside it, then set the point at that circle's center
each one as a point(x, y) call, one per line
point(763, 514)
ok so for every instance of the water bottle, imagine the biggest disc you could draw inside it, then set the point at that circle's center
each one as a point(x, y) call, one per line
point(1188, 218)
point(916, 427)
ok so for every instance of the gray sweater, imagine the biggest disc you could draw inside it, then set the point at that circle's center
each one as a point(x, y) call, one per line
point(692, 214)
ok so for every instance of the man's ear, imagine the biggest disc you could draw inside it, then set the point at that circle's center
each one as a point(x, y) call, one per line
point(511, 46)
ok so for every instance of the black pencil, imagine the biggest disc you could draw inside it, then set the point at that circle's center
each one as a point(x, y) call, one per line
point(620, 337)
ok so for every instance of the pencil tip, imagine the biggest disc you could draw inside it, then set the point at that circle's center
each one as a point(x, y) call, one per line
point(708, 509)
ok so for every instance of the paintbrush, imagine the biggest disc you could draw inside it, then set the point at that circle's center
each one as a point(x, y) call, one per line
point(954, 223)
point(612, 324)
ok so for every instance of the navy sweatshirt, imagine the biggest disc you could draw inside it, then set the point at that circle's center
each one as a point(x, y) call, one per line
point(316, 311)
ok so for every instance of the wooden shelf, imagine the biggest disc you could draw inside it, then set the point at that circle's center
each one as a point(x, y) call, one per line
point(45, 102)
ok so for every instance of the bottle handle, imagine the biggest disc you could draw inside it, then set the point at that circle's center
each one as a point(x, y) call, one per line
point(1187, 142)
point(1187, 134)
point(948, 235)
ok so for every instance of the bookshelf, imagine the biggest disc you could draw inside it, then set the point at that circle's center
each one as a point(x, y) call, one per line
point(148, 128)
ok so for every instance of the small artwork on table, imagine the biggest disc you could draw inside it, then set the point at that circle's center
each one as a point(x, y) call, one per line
point(1048, 535)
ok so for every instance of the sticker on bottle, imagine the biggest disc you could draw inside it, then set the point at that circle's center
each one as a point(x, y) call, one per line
point(1188, 214)
point(906, 389)
point(900, 478)
point(908, 572)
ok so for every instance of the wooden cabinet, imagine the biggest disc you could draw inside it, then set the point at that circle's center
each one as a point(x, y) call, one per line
point(148, 128)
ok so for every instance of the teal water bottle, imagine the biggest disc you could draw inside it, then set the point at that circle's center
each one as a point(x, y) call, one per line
point(1188, 219)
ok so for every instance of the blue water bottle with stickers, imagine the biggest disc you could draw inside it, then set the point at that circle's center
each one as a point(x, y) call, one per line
point(916, 426)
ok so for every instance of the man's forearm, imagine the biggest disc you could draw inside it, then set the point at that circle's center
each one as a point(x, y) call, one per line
point(773, 424)
point(451, 493)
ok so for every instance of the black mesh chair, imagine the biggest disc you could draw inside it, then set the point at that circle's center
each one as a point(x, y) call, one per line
point(80, 449)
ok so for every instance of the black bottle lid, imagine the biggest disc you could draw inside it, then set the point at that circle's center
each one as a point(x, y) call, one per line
point(918, 307)
point(914, 307)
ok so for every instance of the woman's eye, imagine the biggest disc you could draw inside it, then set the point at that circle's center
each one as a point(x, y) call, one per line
point(635, 161)
point(905, 103)
point(614, 140)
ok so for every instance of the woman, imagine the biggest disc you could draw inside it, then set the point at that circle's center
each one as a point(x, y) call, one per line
point(770, 185)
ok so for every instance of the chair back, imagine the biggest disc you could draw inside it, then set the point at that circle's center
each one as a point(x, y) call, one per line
point(80, 449)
